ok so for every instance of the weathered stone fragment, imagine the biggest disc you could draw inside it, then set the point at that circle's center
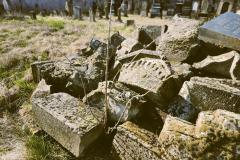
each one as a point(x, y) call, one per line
point(151, 77)
point(220, 129)
point(132, 142)
point(210, 94)
point(223, 31)
point(226, 65)
point(175, 136)
point(77, 76)
point(36, 69)
point(180, 42)
point(215, 136)
point(128, 46)
point(68, 121)
point(123, 103)
point(148, 34)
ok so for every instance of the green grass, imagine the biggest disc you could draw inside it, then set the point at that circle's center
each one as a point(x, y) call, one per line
point(43, 147)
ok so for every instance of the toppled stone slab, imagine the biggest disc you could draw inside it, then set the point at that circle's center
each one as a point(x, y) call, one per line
point(223, 31)
point(78, 75)
point(132, 142)
point(175, 137)
point(215, 136)
point(147, 35)
point(123, 102)
point(153, 78)
point(226, 65)
point(180, 42)
point(210, 94)
point(68, 121)
point(128, 46)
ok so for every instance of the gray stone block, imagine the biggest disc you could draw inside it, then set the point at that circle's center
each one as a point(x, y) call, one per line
point(223, 31)
point(132, 142)
point(211, 94)
point(68, 121)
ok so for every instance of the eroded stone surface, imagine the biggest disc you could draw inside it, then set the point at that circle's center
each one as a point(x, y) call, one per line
point(152, 77)
point(128, 46)
point(179, 43)
point(36, 69)
point(68, 121)
point(132, 142)
point(123, 102)
point(226, 65)
point(211, 93)
point(215, 136)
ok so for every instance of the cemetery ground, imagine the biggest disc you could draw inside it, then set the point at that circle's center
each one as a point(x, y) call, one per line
point(23, 41)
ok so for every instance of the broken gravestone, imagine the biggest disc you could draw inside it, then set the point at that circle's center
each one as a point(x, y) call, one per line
point(154, 78)
point(132, 142)
point(128, 46)
point(211, 93)
point(147, 35)
point(180, 42)
point(216, 135)
point(123, 102)
point(36, 69)
point(223, 31)
point(226, 65)
point(68, 121)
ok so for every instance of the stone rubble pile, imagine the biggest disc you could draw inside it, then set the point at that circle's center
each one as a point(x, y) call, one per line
point(167, 98)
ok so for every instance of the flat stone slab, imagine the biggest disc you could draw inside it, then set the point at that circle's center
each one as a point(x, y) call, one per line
point(211, 93)
point(68, 121)
point(223, 31)
point(226, 65)
point(132, 142)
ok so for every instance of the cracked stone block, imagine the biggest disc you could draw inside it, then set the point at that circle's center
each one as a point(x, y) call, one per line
point(128, 46)
point(68, 121)
point(211, 93)
point(223, 30)
point(123, 102)
point(132, 142)
point(175, 136)
point(151, 77)
point(226, 65)
point(78, 75)
point(219, 123)
point(180, 42)
point(36, 69)
point(147, 35)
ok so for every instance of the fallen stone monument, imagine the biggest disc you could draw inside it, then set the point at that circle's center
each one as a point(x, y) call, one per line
point(226, 65)
point(223, 30)
point(211, 94)
point(68, 121)
point(123, 102)
point(132, 142)
point(153, 78)
point(180, 42)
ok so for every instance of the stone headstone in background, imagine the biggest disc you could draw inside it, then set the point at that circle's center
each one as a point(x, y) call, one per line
point(223, 31)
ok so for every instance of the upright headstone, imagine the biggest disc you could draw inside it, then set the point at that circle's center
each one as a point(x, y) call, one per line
point(223, 30)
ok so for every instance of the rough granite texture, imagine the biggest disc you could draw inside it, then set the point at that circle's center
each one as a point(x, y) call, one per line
point(68, 121)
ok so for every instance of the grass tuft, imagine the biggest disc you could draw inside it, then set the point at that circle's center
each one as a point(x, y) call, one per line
point(43, 147)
